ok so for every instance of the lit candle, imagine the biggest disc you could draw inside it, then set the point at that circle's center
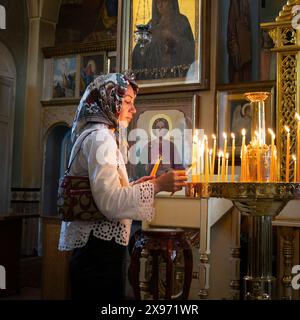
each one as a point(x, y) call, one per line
point(226, 167)
point(206, 159)
point(287, 170)
point(223, 160)
point(213, 157)
point(219, 165)
point(243, 156)
point(258, 157)
point(295, 168)
point(201, 158)
point(210, 165)
point(298, 145)
point(155, 168)
point(233, 156)
point(194, 157)
point(273, 163)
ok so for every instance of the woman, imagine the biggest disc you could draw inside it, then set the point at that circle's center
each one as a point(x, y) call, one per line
point(172, 43)
point(98, 261)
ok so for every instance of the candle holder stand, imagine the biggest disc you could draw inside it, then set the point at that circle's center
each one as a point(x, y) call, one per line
point(262, 202)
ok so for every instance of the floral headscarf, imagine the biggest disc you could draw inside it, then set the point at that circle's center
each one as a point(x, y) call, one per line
point(102, 101)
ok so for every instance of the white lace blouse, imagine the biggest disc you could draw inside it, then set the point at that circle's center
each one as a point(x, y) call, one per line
point(101, 160)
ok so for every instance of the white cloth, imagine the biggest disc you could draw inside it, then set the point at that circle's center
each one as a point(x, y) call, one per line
point(100, 159)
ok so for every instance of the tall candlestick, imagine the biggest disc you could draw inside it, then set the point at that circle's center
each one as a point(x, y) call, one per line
point(212, 172)
point(219, 165)
point(272, 162)
point(295, 168)
point(206, 159)
point(233, 156)
point(226, 167)
point(195, 157)
point(298, 145)
point(225, 151)
point(243, 156)
point(288, 139)
point(275, 164)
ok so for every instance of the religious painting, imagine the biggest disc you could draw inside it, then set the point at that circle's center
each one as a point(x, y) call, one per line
point(91, 66)
point(64, 77)
point(86, 21)
point(234, 111)
point(238, 41)
point(175, 54)
point(161, 129)
point(112, 61)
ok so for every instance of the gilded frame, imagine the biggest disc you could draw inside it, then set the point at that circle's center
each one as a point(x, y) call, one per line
point(180, 111)
point(197, 75)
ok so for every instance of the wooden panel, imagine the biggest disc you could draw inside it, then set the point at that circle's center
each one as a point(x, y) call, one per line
point(55, 273)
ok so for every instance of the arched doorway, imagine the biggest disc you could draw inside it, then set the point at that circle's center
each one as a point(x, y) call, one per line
point(7, 106)
point(58, 146)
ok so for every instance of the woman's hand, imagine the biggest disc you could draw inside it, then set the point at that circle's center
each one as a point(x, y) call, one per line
point(141, 180)
point(172, 181)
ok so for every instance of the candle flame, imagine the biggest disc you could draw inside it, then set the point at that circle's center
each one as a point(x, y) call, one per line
point(287, 129)
point(233, 136)
point(272, 133)
point(297, 116)
point(214, 137)
point(205, 137)
point(225, 135)
point(210, 152)
point(244, 132)
point(294, 158)
point(220, 154)
point(227, 156)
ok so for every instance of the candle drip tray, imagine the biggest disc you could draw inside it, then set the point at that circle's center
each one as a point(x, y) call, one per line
point(258, 199)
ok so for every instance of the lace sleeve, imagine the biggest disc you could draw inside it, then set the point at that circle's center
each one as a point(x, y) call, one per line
point(145, 194)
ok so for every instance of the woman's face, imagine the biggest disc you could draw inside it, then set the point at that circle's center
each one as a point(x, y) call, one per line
point(163, 6)
point(128, 108)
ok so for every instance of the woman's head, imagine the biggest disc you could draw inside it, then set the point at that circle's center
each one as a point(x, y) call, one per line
point(128, 109)
point(161, 8)
point(102, 101)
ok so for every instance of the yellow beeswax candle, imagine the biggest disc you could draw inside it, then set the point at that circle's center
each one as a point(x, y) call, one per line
point(233, 156)
point(226, 167)
point(212, 172)
point(272, 162)
point(219, 166)
point(155, 168)
point(295, 168)
point(223, 160)
point(243, 156)
point(288, 142)
point(298, 145)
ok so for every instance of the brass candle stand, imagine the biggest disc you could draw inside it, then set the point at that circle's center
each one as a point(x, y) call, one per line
point(262, 202)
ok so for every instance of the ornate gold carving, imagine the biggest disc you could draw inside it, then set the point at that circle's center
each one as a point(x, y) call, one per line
point(107, 45)
point(285, 15)
point(287, 46)
point(288, 235)
point(287, 105)
point(247, 190)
